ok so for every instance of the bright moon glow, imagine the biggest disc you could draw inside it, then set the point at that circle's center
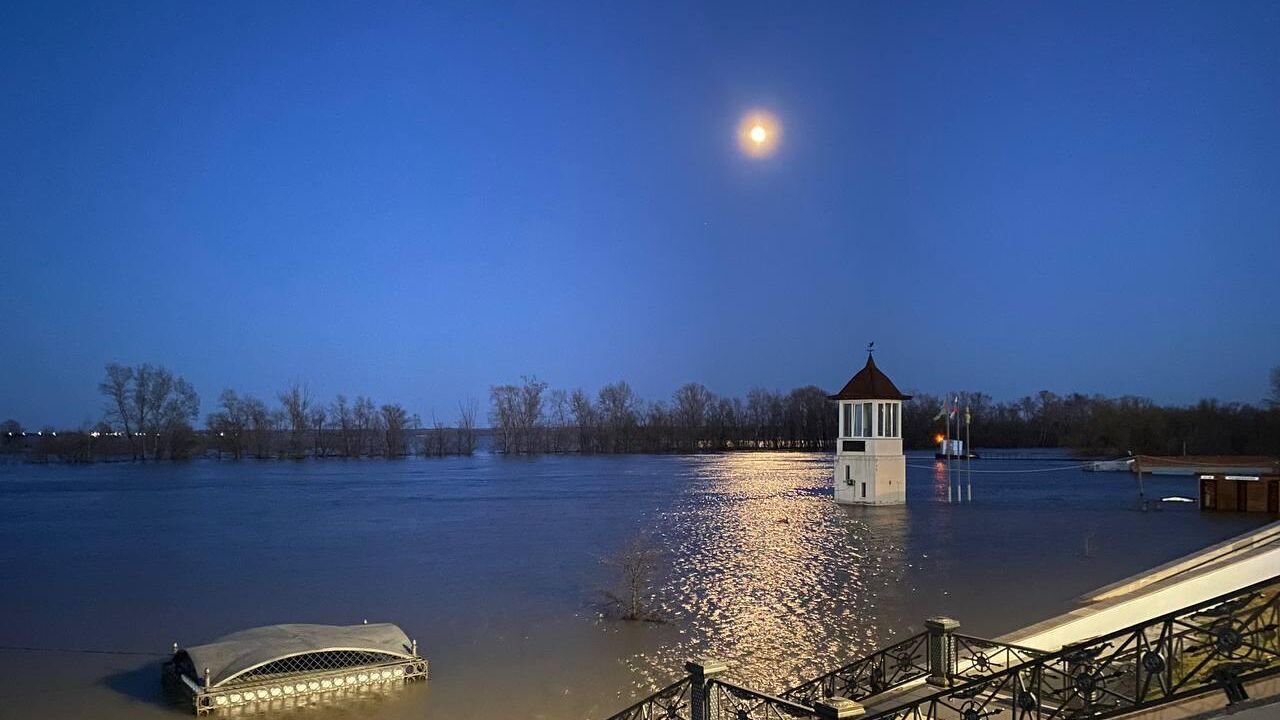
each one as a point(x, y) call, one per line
point(758, 133)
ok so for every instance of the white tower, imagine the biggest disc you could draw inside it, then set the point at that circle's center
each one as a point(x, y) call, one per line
point(870, 466)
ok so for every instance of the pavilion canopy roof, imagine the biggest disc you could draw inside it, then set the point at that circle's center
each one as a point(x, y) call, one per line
point(870, 384)
point(238, 652)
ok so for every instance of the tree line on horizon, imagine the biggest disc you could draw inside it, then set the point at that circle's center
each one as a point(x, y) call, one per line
point(1096, 425)
point(529, 417)
point(151, 413)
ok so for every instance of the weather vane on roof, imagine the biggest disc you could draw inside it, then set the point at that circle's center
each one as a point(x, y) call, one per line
point(871, 347)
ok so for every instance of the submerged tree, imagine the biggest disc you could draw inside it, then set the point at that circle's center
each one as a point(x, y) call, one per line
point(395, 421)
point(466, 435)
point(154, 407)
point(637, 565)
point(297, 411)
point(231, 423)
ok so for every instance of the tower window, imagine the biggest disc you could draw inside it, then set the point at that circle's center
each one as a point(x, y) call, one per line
point(847, 413)
point(880, 419)
point(866, 420)
point(864, 489)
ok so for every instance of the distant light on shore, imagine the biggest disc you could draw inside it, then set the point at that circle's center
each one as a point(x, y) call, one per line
point(759, 133)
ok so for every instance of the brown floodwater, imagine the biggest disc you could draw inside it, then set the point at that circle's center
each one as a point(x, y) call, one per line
point(495, 566)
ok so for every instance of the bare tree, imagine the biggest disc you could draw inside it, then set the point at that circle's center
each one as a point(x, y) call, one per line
point(394, 422)
point(262, 426)
point(341, 413)
point(637, 564)
point(117, 388)
point(1274, 400)
point(153, 404)
point(558, 421)
point(530, 413)
point(365, 419)
point(466, 436)
point(318, 420)
point(504, 414)
point(619, 407)
point(690, 403)
point(297, 410)
point(436, 442)
point(231, 423)
point(585, 419)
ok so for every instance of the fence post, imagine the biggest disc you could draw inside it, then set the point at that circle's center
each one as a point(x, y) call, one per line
point(942, 649)
point(702, 701)
point(838, 708)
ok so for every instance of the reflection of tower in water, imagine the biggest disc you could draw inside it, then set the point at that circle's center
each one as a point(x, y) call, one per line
point(880, 537)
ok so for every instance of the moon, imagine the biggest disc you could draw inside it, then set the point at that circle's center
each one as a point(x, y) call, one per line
point(759, 133)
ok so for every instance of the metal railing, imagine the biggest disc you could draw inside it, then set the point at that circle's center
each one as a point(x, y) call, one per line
point(1222, 644)
point(894, 665)
point(734, 702)
point(1219, 645)
point(670, 703)
point(977, 657)
point(938, 654)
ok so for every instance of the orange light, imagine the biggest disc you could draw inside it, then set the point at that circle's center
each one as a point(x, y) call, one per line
point(938, 438)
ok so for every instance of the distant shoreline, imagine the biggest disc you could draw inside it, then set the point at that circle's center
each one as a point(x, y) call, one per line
point(32, 455)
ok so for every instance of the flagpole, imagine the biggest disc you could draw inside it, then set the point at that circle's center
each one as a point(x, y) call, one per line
point(946, 452)
point(968, 454)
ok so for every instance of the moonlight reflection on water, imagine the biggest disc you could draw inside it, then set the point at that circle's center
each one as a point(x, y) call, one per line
point(768, 574)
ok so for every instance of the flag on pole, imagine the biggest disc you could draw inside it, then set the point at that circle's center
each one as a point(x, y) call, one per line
point(942, 411)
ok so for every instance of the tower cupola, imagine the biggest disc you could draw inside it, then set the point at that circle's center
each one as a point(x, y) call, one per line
point(870, 465)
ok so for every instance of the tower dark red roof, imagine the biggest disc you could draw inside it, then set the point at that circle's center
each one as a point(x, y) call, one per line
point(870, 384)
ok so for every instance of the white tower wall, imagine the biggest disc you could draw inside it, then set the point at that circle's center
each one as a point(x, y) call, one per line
point(870, 468)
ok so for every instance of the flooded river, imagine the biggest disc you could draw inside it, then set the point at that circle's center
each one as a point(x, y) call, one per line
point(495, 566)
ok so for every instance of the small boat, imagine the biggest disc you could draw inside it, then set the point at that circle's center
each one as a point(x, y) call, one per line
point(953, 450)
point(1122, 465)
point(280, 666)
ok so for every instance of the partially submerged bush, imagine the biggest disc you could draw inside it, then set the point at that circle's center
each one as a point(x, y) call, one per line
point(637, 564)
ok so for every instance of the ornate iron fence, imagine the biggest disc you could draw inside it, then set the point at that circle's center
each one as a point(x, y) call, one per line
point(899, 663)
point(977, 657)
point(670, 703)
point(734, 702)
point(1221, 644)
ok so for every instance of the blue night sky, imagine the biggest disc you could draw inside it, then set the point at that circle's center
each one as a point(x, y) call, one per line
point(415, 201)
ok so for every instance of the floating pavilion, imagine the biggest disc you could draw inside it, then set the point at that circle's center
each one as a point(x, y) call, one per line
point(281, 665)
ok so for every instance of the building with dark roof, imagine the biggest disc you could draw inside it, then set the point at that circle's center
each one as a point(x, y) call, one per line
point(870, 466)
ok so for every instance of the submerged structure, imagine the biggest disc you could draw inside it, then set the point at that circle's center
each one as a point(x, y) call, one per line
point(870, 466)
point(281, 665)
